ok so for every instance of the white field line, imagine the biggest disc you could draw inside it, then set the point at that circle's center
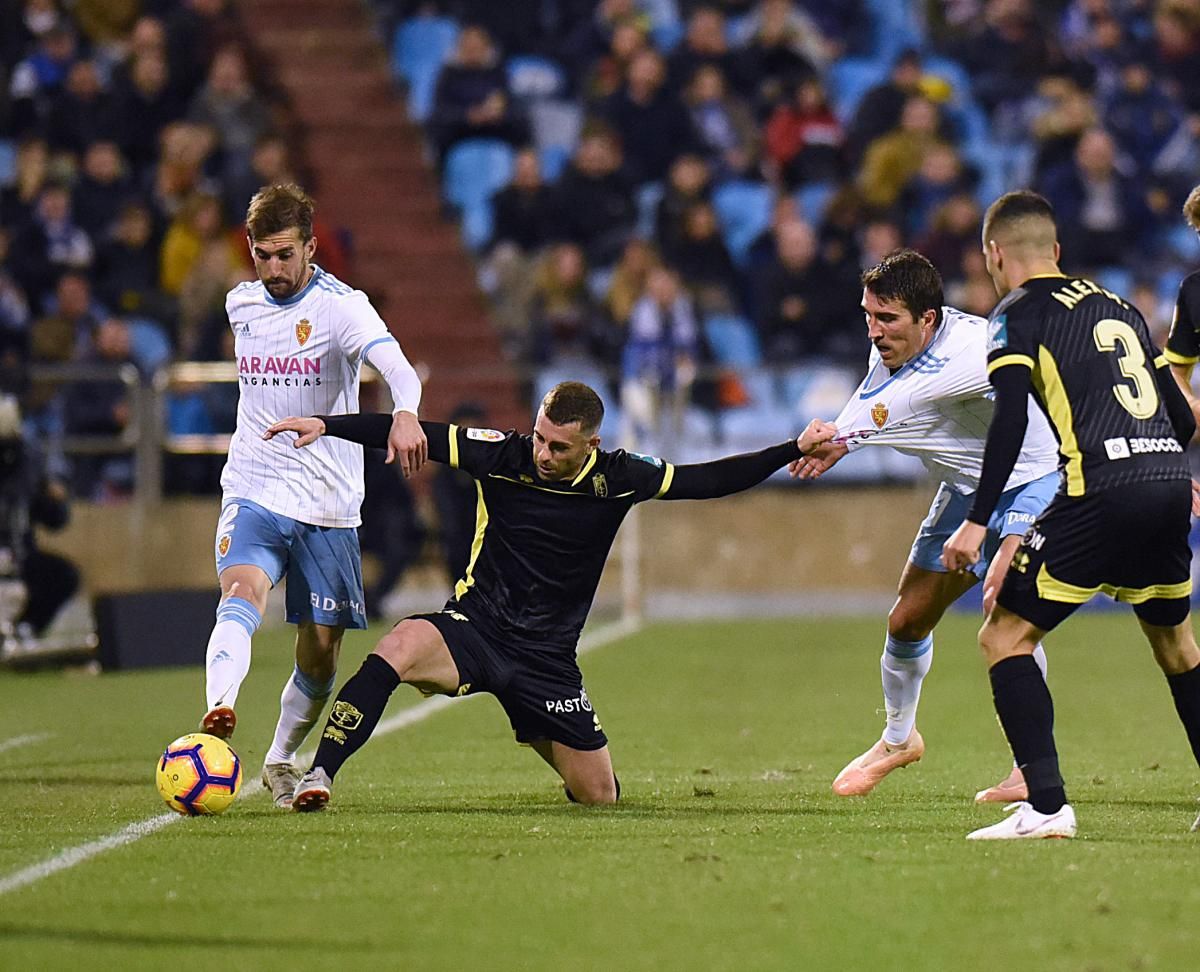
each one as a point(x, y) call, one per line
point(17, 741)
point(144, 828)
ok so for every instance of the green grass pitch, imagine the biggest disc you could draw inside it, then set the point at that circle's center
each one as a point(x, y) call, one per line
point(449, 847)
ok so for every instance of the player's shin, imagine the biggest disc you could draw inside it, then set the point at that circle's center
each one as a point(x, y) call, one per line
point(903, 667)
point(1185, 689)
point(1026, 712)
point(300, 706)
point(227, 659)
point(355, 714)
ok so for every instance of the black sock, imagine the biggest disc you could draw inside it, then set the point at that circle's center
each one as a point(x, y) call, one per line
point(1185, 687)
point(355, 713)
point(1027, 714)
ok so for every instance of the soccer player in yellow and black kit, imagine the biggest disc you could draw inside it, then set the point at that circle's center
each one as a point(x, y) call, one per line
point(547, 511)
point(1120, 520)
point(1183, 343)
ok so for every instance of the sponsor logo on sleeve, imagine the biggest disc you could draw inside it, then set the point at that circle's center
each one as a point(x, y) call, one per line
point(653, 460)
point(1117, 448)
point(485, 435)
point(223, 545)
point(997, 333)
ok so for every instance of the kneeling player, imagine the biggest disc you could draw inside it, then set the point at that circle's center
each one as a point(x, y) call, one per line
point(548, 509)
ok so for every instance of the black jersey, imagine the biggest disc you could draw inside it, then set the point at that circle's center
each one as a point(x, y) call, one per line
point(1183, 344)
point(539, 546)
point(1093, 375)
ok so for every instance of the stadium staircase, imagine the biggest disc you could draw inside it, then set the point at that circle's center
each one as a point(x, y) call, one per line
point(371, 176)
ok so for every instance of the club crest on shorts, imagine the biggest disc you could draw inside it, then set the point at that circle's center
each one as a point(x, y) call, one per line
point(303, 330)
point(879, 414)
point(600, 485)
point(223, 545)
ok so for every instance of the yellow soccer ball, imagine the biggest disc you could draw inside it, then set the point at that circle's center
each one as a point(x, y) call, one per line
point(198, 774)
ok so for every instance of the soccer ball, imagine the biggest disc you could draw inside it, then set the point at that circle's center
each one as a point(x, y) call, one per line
point(198, 774)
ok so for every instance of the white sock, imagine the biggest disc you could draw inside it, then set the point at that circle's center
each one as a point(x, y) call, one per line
point(904, 665)
point(227, 659)
point(300, 707)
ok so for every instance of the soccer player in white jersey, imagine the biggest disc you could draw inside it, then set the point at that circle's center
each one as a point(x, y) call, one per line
point(300, 338)
point(927, 394)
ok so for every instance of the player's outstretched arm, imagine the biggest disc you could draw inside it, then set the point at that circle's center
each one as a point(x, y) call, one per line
point(371, 429)
point(721, 477)
point(822, 456)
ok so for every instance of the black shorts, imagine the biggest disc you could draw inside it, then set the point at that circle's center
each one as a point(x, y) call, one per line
point(541, 692)
point(1129, 542)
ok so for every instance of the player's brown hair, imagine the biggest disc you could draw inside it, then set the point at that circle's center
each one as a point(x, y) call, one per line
point(907, 276)
point(1021, 210)
point(1191, 209)
point(275, 209)
point(573, 401)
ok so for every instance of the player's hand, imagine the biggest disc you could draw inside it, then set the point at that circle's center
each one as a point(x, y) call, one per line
point(307, 430)
point(962, 549)
point(819, 461)
point(1195, 498)
point(407, 442)
point(817, 433)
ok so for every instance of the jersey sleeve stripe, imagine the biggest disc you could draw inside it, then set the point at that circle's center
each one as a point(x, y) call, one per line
point(453, 446)
point(1010, 359)
point(1174, 357)
point(668, 476)
point(382, 340)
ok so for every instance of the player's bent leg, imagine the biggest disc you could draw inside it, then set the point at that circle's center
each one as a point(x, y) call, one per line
point(921, 601)
point(1012, 788)
point(1178, 656)
point(586, 773)
point(414, 652)
point(304, 696)
point(244, 589)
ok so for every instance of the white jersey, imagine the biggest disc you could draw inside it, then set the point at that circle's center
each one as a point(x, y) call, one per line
point(299, 356)
point(938, 406)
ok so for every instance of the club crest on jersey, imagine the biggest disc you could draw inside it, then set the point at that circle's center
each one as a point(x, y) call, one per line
point(485, 435)
point(223, 545)
point(997, 333)
point(600, 485)
point(303, 330)
point(879, 414)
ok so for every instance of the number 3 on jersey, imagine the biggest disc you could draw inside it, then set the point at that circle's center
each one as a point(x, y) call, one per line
point(1142, 400)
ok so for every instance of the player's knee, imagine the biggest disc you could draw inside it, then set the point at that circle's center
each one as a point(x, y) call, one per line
point(595, 795)
point(400, 650)
point(904, 624)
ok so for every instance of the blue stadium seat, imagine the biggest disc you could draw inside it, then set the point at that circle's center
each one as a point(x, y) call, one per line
point(553, 159)
point(732, 340)
point(421, 46)
point(476, 169)
point(1117, 279)
point(666, 25)
point(812, 199)
point(8, 161)
point(898, 24)
point(849, 79)
point(744, 212)
point(533, 78)
point(150, 347)
point(556, 125)
point(649, 195)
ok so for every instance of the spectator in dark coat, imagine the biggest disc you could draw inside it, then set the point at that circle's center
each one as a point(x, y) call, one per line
point(704, 263)
point(526, 211)
point(146, 103)
point(82, 112)
point(1101, 212)
point(596, 200)
point(704, 44)
point(472, 99)
point(879, 111)
point(49, 243)
point(102, 188)
point(653, 124)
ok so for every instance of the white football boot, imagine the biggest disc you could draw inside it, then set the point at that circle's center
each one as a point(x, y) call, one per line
point(1025, 822)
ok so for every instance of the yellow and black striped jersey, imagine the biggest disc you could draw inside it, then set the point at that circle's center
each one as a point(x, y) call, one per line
point(1092, 365)
point(1183, 343)
point(540, 546)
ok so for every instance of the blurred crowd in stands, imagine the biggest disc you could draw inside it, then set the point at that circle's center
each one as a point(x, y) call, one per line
point(132, 135)
point(679, 193)
point(696, 183)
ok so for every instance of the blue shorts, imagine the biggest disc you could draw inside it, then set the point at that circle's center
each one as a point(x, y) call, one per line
point(1014, 514)
point(323, 564)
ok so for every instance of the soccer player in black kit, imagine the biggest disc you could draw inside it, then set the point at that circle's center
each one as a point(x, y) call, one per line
point(1120, 520)
point(548, 509)
point(1183, 343)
